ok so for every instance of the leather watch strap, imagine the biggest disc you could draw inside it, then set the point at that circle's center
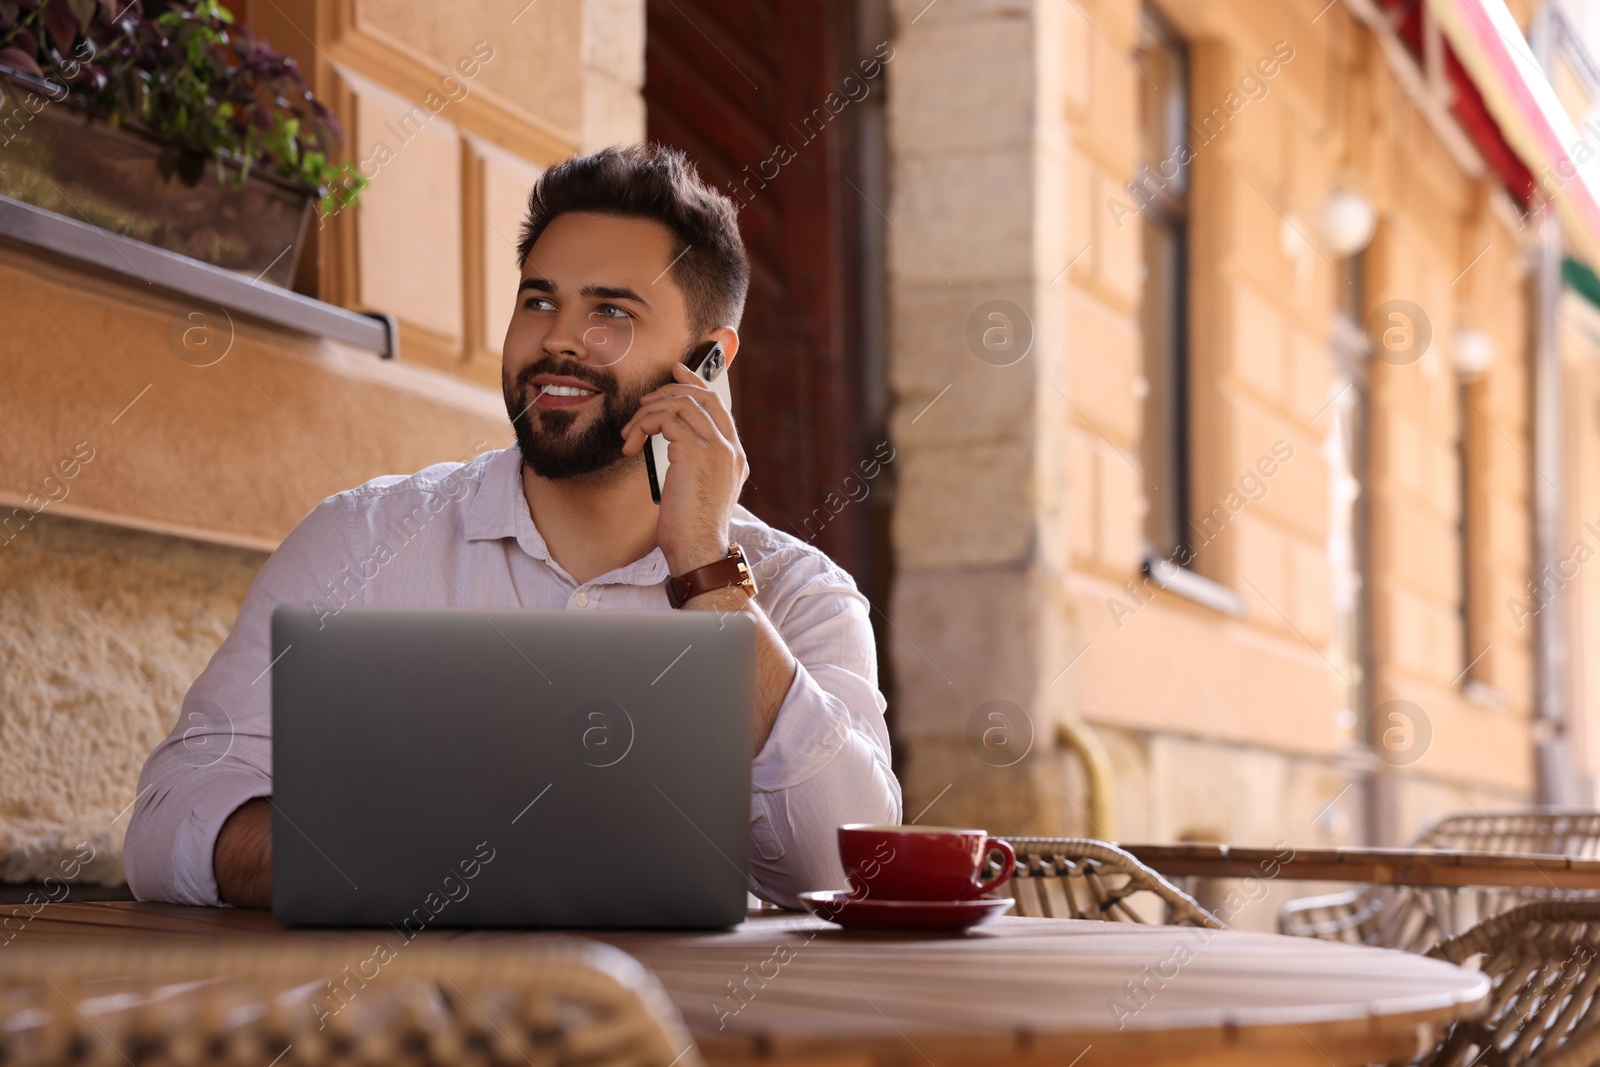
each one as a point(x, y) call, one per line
point(730, 570)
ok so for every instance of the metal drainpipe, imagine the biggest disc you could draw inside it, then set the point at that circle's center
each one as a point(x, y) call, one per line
point(1079, 737)
point(1552, 771)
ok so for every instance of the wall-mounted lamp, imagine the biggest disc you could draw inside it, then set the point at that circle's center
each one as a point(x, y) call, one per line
point(1347, 223)
point(1473, 353)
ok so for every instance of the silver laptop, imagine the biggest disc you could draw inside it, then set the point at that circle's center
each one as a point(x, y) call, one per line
point(452, 767)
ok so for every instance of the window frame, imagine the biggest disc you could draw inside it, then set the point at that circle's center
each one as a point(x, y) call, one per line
point(1165, 455)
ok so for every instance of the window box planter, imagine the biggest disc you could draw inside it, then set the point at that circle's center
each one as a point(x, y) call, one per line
point(55, 155)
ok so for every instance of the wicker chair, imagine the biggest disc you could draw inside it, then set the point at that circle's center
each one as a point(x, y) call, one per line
point(336, 1002)
point(1079, 878)
point(1415, 918)
point(1543, 960)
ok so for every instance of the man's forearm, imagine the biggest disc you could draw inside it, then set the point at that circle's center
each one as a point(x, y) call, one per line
point(775, 664)
point(242, 860)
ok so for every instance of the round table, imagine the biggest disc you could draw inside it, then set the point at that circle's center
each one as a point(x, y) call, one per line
point(786, 988)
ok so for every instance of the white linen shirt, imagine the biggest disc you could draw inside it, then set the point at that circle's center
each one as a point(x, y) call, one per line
point(461, 534)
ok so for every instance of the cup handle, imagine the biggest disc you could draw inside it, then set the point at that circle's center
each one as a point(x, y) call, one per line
point(1009, 864)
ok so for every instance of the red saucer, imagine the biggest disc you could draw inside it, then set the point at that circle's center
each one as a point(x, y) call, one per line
point(949, 916)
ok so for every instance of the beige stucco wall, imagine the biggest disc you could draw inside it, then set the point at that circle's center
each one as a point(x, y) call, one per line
point(233, 451)
point(540, 41)
point(122, 585)
point(139, 493)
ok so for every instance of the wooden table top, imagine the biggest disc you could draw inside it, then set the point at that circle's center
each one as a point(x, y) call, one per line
point(785, 987)
point(1377, 866)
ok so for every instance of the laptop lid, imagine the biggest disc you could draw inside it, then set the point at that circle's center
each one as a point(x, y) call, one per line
point(456, 767)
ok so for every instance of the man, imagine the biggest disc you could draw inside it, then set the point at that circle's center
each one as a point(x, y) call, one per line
point(629, 263)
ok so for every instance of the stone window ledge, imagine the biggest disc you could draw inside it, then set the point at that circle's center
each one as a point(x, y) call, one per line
point(82, 245)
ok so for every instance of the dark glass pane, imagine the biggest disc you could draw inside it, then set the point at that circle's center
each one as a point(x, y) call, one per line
point(1163, 451)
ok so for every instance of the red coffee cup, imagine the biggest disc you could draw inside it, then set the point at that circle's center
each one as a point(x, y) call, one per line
point(920, 862)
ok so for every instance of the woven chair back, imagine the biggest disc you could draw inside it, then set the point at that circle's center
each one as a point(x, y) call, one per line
point(1554, 832)
point(1541, 959)
point(326, 1002)
point(1080, 878)
point(1415, 918)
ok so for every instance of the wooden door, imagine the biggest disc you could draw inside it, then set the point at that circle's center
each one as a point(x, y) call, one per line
point(742, 86)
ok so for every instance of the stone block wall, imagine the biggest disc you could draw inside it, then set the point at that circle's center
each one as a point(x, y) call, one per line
point(104, 628)
point(977, 339)
point(1019, 515)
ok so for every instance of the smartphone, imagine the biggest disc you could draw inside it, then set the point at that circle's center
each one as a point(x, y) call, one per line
point(710, 366)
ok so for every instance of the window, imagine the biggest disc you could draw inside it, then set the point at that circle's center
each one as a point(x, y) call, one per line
point(1472, 490)
point(1347, 422)
point(1161, 190)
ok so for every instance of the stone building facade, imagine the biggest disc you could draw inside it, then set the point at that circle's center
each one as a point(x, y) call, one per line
point(1358, 510)
point(1352, 662)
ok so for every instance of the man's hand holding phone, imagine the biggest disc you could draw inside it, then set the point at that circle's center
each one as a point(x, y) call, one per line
point(708, 468)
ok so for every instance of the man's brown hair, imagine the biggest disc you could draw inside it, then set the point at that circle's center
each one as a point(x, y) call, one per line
point(652, 181)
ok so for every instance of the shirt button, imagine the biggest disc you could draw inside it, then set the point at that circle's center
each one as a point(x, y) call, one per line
point(583, 600)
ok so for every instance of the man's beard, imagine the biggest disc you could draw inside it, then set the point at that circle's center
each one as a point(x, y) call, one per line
point(550, 445)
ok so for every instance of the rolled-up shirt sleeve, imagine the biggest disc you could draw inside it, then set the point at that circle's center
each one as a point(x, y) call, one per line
point(826, 761)
point(219, 755)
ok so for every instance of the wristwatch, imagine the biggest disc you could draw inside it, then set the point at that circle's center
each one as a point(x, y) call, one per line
point(730, 570)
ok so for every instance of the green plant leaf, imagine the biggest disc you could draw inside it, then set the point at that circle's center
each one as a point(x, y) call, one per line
point(187, 69)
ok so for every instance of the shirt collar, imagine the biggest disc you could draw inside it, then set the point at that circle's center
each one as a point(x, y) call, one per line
point(500, 510)
point(493, 511)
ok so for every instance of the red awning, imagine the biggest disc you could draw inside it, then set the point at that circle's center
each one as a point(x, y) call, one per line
point(1508, 84)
